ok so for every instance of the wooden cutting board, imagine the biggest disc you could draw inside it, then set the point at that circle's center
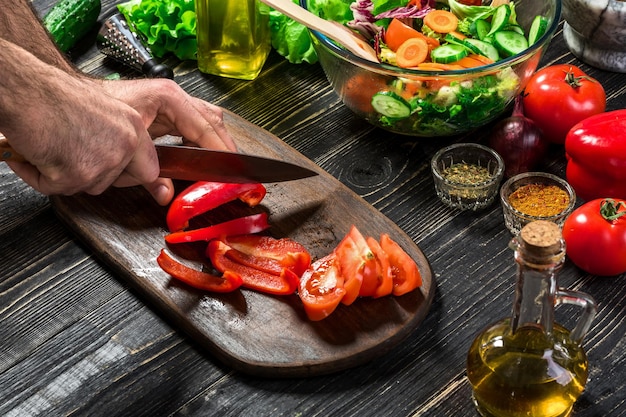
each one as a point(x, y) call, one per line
point(252, 332)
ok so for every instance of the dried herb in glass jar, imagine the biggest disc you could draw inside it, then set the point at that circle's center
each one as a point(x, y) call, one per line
point(467, 174)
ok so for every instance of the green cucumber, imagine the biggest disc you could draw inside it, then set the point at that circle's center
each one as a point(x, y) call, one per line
point(69, 20)
point(509, 43)
point(537, 29)
point(483, 48)
point(445, 54)
point(391, 105)
point(479, 28)
point(500, 18)
point(451, 38)
point(514, 28)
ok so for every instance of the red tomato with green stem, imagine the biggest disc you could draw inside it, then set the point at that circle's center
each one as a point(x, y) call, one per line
point(559, 96)
point(595, 237)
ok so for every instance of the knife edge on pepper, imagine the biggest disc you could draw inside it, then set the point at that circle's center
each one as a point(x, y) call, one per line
point(199, 164)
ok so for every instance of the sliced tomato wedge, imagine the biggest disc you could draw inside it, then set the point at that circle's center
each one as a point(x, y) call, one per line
point(356, 264)
point(383, 284)
point(228, 282)
point(284, 283)
point(270, 254)
point(321, 288)
point(406, 276)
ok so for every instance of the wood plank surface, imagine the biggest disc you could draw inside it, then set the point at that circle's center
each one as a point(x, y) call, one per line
point(249, 331)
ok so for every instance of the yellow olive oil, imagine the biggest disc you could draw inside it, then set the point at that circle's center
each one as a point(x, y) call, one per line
point(525, 374)
point(233, 37)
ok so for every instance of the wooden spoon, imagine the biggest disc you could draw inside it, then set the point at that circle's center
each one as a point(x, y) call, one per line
point(333, 30)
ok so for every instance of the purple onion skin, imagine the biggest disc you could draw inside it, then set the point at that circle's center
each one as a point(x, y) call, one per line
point(519, 142)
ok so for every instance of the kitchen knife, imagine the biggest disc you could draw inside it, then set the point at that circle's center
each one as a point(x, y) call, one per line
point(199, 164)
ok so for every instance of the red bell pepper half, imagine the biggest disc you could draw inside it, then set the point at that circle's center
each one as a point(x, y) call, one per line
point(203, 196)
point(596, 154)
point(228, 282)
point(254, 223)
point(284, 283)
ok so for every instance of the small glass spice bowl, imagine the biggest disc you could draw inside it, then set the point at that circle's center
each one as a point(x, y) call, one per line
point(467, 175)
point(535, 196)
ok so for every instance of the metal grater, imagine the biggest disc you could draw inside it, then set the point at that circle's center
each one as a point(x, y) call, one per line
point(116, 40)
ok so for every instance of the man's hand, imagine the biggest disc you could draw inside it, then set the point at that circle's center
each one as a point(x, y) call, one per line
point(83, 135)
point(167, 110)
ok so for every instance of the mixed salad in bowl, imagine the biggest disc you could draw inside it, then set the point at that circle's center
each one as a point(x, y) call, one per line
point(446, 67)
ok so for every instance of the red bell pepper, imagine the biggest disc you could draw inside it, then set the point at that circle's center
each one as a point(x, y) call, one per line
point(203, 196)
point(596, 154)
point(269, 254)
point(255, 279)
point(228, 282)
point(254, 223)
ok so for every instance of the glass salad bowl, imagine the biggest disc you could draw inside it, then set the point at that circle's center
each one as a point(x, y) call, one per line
point(433, 102)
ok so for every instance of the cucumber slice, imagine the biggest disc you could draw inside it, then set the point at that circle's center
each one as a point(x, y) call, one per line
point(537, 29)
point(500, 18)
point(479, 28)
point(450, 38)
point(448, 53)
point(483, 48)
point(391, 105)
point(514, 28)
point(509, 43)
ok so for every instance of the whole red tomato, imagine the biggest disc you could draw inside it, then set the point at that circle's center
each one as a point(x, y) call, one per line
point(595, 237)
point(559, 96)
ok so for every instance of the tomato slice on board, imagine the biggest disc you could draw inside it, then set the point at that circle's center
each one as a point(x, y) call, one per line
point(384, 279)
point(406, 276)
point(228, 282)
point(321, 288)
point(284, 283)
point(270, 254)
point(356, 264)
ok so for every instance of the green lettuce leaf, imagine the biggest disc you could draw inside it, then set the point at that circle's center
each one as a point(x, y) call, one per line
point(291, 39)
point(167, 26)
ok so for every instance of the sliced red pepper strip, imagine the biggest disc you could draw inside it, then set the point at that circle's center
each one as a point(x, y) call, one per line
point(284, 284)
point(254, 223)
point(269, 254)
point(228, 282)
point(203, 196)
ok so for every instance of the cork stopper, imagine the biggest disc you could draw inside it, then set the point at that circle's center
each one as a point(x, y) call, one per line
point(541, 239)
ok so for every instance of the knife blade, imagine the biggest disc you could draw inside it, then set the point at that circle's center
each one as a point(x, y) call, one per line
point(199, 164)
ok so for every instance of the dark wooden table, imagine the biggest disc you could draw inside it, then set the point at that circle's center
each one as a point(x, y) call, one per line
point(75, 339)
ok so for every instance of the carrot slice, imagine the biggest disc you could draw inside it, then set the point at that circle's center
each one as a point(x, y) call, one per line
point(441, 21)
point(482, 58)
point(397, 33)
point(457, 34)
point(469, 62)
point(435, 66)
point(411, 53)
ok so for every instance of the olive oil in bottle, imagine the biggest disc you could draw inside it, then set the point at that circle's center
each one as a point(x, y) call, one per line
point(527, 365)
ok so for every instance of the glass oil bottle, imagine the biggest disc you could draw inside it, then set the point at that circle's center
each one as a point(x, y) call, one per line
point(528, 365)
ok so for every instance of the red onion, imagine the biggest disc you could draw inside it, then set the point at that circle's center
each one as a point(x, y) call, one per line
point(519, 141)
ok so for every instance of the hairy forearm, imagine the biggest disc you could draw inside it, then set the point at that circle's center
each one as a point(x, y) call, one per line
point(20, 25)
point(32, 92)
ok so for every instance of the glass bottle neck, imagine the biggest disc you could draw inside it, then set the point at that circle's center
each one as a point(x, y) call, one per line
point(536, 290)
